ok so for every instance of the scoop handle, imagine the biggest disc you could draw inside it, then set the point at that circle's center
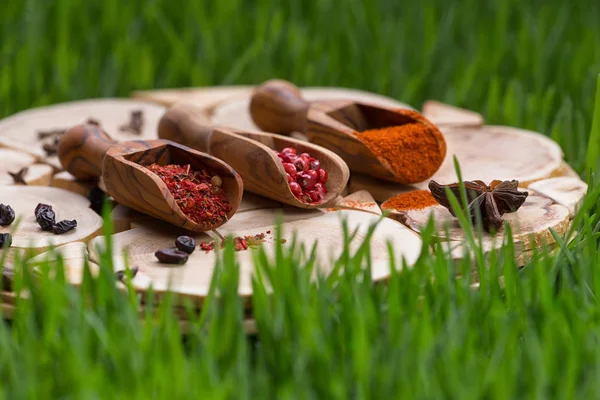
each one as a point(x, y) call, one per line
point(81, 150)
point(277, 106)
point(186, 124)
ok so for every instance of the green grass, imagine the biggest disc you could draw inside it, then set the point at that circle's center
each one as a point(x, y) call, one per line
point(531, 64)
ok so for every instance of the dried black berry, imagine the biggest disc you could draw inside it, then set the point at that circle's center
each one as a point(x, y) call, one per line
point(5, 238)
point(45, 216)
point(121, 274)
point(171, 256)
point(7, 215)
point(7, 279)
point(63, 226)
point(186, 243)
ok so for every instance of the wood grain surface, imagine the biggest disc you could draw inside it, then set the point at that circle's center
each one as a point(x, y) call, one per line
point(193, 279)
point(13, 161)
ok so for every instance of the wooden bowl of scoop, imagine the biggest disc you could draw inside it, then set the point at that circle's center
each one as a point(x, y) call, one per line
point(87, 152)
point(252, 154)
point(347, 128)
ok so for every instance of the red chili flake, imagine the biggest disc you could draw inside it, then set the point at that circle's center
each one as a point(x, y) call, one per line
point(239, 243)
point(195, 192)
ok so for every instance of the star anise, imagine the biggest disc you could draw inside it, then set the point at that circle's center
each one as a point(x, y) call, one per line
point(19, 176)
point(492, 201)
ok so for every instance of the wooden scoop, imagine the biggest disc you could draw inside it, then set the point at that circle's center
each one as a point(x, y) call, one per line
point(276, 106)
point(87, 152)
point(251, 154)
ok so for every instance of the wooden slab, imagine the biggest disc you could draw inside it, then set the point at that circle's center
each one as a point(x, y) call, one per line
point(67, 205)
point(193, 278)
point(13, 161)
point(20, 131)
point(443, 114)
point(569, 192)
point(530, 224)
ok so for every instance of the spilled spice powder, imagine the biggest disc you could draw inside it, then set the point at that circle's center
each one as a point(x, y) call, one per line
point(416, 200)
point(415, 151)
point(197, 193)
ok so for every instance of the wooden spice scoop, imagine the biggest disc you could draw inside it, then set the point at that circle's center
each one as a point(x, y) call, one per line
point(87, 152)
point(277, 106)
point(251, 153)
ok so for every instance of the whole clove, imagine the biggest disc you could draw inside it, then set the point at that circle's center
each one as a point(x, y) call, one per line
point(7, 215)
point(19, 176)
point(135, 124)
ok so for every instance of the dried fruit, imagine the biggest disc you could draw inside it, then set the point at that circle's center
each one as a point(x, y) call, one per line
point(7, 215)
point(63, 226)
point(171, 256)
point(45, 216)
point(5, 239)
point(185, 243)
point(96, 198)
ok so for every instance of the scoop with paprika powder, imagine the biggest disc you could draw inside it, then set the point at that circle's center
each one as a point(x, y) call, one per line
point(394, 144)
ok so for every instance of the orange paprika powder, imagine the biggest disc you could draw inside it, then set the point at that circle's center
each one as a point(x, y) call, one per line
point(414, 151)
point(415, 200)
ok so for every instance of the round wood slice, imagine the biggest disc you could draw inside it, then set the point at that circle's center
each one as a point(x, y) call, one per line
point(13, 161)
point(64, 180)
point(569, 192)
point(235, 111)
point(447, 115)
point(361, 200)
point(193, 279)
point(66, 205)
point(379, 189)
point(200, 96)
point(74, 256)
point(20, 131)
point(497, 152)
point(530, 224)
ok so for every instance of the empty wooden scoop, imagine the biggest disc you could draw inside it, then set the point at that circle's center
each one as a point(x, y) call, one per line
point(87, 152)
point(252, 154)
point(277, 106)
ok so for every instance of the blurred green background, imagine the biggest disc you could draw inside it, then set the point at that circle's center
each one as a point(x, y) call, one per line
point(526, 63)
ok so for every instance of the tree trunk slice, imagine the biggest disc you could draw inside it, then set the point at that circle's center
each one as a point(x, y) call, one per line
point(200, 96)
point(530, 224)
point(74, 256)
point(66, 205)
point(360, 200)
point(447, 115)
point(13, 161)
point(193, 279)
point(497, 152)
point(380, 190)
point(64, 180)
point(569, 192)
point(19, 131)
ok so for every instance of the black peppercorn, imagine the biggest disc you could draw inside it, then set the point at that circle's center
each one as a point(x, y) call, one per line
point(171, 256)
point(63, 226)
point(7, 215)
point(186, 243)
